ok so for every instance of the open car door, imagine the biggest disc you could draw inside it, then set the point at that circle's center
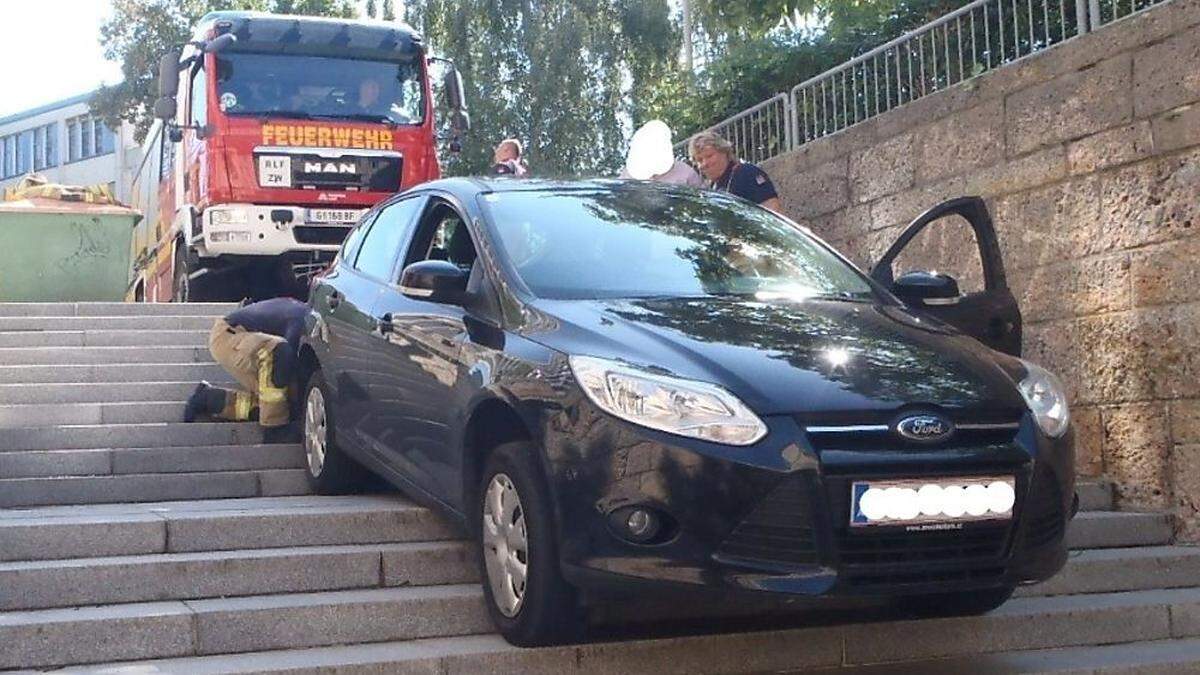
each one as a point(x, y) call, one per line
point(990, 315)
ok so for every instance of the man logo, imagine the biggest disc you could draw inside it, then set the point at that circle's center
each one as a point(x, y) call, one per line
point(330, 167)
point(925, 428)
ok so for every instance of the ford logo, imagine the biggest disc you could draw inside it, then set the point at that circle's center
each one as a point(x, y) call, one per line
point(925, 428)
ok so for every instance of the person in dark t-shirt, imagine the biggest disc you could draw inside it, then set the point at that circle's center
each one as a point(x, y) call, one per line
point(258, 345)
point(715, 158)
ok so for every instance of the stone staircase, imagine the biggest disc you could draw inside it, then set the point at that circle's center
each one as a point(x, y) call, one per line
point(130, 542)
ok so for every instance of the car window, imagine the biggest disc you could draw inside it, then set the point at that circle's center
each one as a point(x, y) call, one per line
point(945, 245)
point(640, 241)
point(381, 245)
point(354, 239)
point(443, 235)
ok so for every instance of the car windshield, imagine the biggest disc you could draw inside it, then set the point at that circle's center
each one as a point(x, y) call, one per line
point(646, 241)
point(318, 87)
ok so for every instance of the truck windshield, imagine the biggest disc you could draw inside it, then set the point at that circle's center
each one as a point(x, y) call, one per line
point(318, 87)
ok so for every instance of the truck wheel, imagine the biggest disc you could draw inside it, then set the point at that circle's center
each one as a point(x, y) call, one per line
point(529, 601)
point(330, 471)
point(963, 603)
point(183, 289)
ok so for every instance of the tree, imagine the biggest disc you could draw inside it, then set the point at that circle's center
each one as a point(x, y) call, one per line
point(389, 10)
point(372, 11)
point(141, 31)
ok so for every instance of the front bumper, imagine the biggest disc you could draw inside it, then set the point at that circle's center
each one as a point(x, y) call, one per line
point(775, 516)
point(253, 229)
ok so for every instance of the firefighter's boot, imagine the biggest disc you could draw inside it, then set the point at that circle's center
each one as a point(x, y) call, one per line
point(206, 400)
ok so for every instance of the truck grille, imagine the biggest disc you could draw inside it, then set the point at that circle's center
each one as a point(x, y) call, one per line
point(778, 532)
point(322, 235)
point(352, 173)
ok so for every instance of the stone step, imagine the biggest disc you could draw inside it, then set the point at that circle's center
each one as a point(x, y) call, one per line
point(62, 490)
point(1094, 494)
point(69, 323)
point(1122, 569)
point(102, 338)
point(53, 414)
point(91, 392)
point(166, 434)
point(53, 637)
point(218, 627)
point(114, 373)
point(103, 462)
point(207, 309)
point(184, 576)
point(1112, 529)
point(45, 356)
point(63, 532)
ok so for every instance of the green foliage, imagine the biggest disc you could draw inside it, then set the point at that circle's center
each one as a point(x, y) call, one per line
point(141, 31)
point(389, 10)
point(372, 9)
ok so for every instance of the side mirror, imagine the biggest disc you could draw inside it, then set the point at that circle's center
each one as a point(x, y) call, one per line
point(460, 121)
point(168, 75)
point(926, 288)
point(164, 108)
point(454, 89)
point(434, 280)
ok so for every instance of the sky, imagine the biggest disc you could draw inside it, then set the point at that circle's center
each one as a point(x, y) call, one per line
point(51, 50)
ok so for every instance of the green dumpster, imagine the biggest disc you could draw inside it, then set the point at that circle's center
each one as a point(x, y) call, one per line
point(53, 250)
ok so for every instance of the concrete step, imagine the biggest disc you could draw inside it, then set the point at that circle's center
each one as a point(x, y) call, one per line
point(54, 414)
point(1095, 494)
point(1112, 529)
point(1122, 569)
point(92, 392)
point(181, 321)
point(167, 434)
point(114, 373)
point(62, 532)
point(220, 627)
point(102, 338)
point(208, 309)
point(183, 576)
point(44, 356)
point(61, 490)
point(103, 462)
point(52, 637)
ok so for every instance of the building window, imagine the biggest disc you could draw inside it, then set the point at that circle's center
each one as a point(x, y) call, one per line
point(88, 137)
point(30, 150)
point(45, 146)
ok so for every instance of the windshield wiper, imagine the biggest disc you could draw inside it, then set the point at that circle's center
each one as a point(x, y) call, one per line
point(364, 117)
point(295, 114)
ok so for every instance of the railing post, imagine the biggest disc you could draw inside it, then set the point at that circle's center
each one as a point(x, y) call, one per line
point(789, 116)
point(1094, 14)
point(1081, 16)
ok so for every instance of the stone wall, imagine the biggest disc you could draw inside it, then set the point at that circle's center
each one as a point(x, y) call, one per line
point(1089, 157)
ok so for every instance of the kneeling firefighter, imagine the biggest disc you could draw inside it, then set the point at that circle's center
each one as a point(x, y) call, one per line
point(258, 345)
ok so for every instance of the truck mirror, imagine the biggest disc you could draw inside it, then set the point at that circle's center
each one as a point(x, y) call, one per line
point(164, 108)
point(168, 75)
point(461, 121)
point(454, 89)
point(218, 43)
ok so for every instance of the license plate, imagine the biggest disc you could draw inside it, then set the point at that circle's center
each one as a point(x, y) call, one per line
point(275, 171)
point(931, 504)
point(339, 216)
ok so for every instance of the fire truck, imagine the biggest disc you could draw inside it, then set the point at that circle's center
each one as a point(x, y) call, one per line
point(275, 134)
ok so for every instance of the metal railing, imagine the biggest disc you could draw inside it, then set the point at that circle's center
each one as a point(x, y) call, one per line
point(974, 39)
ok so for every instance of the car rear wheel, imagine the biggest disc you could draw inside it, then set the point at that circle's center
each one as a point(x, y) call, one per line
point(963, 603)
point(330, 471)
point(527, 598)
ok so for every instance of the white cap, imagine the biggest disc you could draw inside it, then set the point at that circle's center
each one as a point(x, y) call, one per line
point(650, 152)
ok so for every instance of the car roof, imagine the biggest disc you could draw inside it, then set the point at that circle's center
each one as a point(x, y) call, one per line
point(476, 185)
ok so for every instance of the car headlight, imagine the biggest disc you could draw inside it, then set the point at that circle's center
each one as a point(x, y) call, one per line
point(1046, 398)
point(674, 405)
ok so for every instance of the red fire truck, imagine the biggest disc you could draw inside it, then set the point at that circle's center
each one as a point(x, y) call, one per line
point(276, 134)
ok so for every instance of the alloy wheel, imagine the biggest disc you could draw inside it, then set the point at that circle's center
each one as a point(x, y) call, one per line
point(505, 544)
point(315, 431)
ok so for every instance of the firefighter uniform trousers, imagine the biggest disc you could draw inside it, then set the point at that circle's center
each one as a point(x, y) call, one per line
point(249, 357)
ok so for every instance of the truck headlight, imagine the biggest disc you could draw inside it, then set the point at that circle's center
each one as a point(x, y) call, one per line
point(220, 217)
point(674, 405)
point(1046, 398)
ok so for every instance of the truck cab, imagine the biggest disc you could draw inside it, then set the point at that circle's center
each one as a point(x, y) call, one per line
point(283, 130)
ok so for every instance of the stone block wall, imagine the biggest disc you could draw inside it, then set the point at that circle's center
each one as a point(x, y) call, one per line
point(1088, 155)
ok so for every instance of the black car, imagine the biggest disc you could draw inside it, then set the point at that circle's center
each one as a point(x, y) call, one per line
point(612, 382)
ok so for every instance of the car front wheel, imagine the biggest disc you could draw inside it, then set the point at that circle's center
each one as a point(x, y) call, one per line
point(330, 471)
point(527, 598)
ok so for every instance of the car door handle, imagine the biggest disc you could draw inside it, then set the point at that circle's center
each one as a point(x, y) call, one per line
point(333, 299)
point(385, 324)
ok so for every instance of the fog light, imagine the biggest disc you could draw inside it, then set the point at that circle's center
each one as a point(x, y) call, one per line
point(640, 524)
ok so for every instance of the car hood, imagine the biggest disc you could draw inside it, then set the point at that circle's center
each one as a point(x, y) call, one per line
point(814, 356)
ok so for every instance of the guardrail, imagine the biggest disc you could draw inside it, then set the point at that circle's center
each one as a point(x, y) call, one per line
point(963, 44)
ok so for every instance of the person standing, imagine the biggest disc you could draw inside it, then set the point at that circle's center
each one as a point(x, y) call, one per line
point(652, 157)
point(258, 345)
point(507, 159)
point(719, 163)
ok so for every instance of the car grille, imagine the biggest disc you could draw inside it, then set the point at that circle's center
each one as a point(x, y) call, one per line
point(878, 434)
point(324, 235)
point(777, 533)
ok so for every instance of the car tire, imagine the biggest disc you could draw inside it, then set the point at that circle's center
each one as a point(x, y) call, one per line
point(963, 603)
point(544, 608)
point(330, 471)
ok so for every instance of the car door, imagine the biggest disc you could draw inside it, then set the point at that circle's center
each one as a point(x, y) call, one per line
point(346, 297)
point(420, 353)
point(990, 313)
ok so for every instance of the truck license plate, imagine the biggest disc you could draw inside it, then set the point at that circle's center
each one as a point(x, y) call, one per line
point(275, 172)
point(338, 216)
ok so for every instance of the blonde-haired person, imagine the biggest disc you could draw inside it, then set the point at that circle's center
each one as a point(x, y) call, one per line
point(507, 159)
point(715, 158)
